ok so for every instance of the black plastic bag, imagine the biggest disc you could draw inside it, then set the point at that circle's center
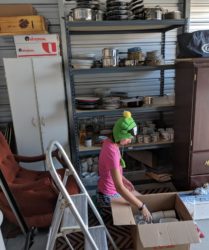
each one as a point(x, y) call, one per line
point(195, 44)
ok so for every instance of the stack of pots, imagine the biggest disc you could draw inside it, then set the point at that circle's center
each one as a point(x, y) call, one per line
point(109, 57)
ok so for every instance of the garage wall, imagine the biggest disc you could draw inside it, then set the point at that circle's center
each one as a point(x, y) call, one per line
point(47, 8)
point(199, 15)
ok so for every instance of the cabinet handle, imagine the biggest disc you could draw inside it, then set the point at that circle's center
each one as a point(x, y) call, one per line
point(207, 163)
point(43, 121)
point(33, 121)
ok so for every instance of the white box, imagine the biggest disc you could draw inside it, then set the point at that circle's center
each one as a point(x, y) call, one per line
point(197, 205)
point(37, 45)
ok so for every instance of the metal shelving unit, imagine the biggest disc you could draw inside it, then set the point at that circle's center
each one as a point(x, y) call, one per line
point(140, 110)
point(84, 151)
point(111, 27)
point(120, 69)
point(123, 26)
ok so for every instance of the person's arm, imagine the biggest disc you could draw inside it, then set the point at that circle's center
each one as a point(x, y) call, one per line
point(127, 195)
point(128, 184)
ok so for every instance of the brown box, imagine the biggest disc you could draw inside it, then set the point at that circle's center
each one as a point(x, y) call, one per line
point(8, 10)
point(22, 25)
point(171, 235)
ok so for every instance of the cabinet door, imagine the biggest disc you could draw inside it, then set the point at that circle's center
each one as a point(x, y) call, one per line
point(200, 163)
point(20, 84)
point(50, 95)
point(201, 112)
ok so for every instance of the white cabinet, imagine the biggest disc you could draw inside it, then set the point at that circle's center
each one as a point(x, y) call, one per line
point(37, 99)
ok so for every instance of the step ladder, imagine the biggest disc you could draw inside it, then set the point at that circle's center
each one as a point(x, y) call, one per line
point(71, 211)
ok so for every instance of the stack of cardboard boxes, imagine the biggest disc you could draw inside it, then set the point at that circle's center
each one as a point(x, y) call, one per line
point(16, 19)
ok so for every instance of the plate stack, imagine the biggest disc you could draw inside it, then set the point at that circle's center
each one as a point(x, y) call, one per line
point(137, 9)
point(111, 102)
point(91, 4)
point(87, 102)
point(117, 10)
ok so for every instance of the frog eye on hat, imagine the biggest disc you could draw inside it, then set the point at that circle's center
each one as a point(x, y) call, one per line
point(133, 131)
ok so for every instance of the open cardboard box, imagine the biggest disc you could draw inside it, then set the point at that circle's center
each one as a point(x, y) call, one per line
point(172, 235)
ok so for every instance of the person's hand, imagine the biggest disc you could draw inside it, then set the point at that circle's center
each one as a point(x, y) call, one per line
point(146, 214)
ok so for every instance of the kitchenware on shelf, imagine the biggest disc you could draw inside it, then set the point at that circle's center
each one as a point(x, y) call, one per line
point(116, 3)
point(109, 62)
point(111, 102)
point(82, 14)
point(88, 142)
point(102, 92)
point(110, 57)
point(173, 15)
point(118, 17)
point(135, 2)
point(153, 13)
point(87, 99)
point(147, 138)
point(82, 63)
point(147, 100)
point(154, 58)
point(118, 12)
point(132, 102)
point(87, 102)
point(83, 56)
point(98, 15)
point(140, 138)
point(109, 52)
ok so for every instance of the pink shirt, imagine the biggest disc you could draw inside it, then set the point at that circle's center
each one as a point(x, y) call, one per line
point(109, 158)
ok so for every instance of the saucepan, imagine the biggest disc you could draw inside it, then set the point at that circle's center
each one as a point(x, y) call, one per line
point(81, 14)
point(85, 14)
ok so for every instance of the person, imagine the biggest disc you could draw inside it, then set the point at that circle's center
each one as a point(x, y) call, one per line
point(112, 183)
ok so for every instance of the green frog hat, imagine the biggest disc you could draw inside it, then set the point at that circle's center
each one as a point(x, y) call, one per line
point(125, 127)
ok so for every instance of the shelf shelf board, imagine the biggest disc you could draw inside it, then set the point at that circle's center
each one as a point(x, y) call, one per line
point(136, 146)
point(144, 109)
point(123, 26)
point(121, 69)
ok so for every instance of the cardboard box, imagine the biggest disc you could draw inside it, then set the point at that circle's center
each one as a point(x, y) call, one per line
point(22, 25)
point(197, 205)
point(17, 10)
point(172, 235)
point(37, 45)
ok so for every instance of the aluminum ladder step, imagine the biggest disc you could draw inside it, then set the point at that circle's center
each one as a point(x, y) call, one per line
point(69, 221)
point(99, 235)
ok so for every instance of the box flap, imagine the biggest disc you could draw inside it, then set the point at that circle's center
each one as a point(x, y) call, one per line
point(168, 234)
point(122, 212)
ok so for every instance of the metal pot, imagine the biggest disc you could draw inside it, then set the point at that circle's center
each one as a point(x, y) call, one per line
point(153, 13)
point(82, 14)
point(173, 15)
point(98, 15)
point(109, 62)
point(148, 100)
point(110, 53)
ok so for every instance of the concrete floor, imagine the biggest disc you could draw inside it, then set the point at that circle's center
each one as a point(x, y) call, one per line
point(41, 239)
